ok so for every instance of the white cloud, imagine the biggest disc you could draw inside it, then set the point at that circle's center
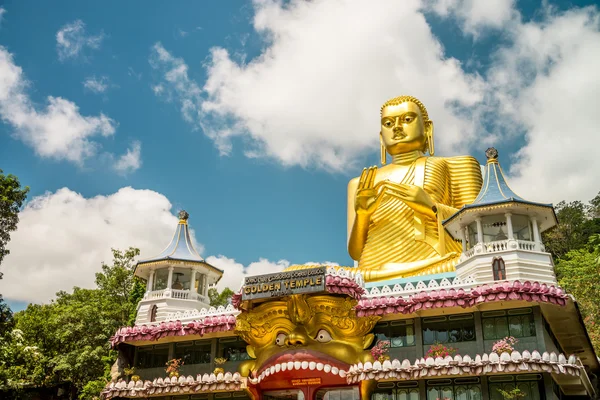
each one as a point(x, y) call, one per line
point(2, 12)
point(63, 237)
point(130, 161)
point(234, 272)
point(475, 16)
point(547, 83)
point(71, 40)
point(59, 131)
point(312, 97)
point(96, 85)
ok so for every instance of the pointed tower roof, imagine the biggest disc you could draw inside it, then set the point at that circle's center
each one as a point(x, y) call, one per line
point(181, 247)
point(495, 189)
point(495, 193)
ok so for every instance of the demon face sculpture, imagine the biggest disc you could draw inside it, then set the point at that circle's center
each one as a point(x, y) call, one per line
point(304, 337)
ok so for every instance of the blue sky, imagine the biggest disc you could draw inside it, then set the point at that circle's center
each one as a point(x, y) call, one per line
point(254, 116)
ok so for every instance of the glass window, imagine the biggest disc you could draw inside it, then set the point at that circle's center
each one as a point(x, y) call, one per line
point(350, 393)
point(494, 228)
point(472, 236)
point(500, 324)
point(407, 393)
point(527, 384)
point(451, 329)
point(161, 276)
point(447, 389)
point(197, 352)
point(499, 269)
point(181, 279)
point(398, 333)
point(521, 227)
point(235, 351)
point(152, 356)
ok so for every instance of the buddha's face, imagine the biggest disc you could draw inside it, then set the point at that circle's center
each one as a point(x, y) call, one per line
point(309, 331)
point(403, 129)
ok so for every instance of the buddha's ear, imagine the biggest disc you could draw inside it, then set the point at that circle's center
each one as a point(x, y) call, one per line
point(383, 153)
point(368, 340)
point(429, 135)
point(250, 351)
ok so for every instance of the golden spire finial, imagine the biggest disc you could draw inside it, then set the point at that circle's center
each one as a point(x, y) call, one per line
point(492, 155)
point(183, 217)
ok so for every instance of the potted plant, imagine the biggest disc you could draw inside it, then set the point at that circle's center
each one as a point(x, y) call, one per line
point(505, 345)
point(173, 367)
point(380, 350)
point(439, 350)
point(131, 372)
point(219, 361)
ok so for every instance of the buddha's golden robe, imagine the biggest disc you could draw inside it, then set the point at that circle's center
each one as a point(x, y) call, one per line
point(399, 235)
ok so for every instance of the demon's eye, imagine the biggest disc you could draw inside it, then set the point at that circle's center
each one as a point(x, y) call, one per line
point(280, 340)
point(323, 336)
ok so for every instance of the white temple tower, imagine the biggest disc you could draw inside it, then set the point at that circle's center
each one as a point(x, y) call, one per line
point(501, 233)
point(177, 279)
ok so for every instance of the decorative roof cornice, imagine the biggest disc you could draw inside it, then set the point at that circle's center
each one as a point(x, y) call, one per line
point(487, 364)
point(461, 297)
point(174, 386)
point(215, 320)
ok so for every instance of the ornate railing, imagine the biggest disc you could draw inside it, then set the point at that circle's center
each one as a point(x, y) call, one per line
point(176, 294)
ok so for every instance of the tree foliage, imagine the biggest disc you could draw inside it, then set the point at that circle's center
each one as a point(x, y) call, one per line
point(219, 299)
point(12, 197)
point(575, 245)
point(66, 341)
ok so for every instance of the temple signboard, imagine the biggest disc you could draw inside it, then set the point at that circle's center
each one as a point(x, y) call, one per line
point(284, 283)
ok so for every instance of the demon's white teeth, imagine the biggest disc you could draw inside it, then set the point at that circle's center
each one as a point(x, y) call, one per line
point(342, 373)
point(319, 367)
point(272, 369)
point(284, 366)
point(312, 365)
point(335, 370)
point(304, 364)
point(297, 364)
point(277, 367)
point(327, 368)
point(267, 372)
point(290, 365)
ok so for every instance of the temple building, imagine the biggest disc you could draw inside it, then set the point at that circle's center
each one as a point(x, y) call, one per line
point(468, 308)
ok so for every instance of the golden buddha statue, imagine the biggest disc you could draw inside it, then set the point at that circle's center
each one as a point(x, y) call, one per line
point(395, 212)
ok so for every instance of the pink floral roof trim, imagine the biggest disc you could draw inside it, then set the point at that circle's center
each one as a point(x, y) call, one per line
point(210, 324)
point(181, 385)
point(492, 363)
point(501, 291)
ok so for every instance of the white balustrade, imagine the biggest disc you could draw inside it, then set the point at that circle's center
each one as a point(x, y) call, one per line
point(176, 294)
point(502, 245)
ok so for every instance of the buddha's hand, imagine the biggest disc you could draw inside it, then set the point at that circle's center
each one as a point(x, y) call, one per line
point(414, 197)
point(367, 196)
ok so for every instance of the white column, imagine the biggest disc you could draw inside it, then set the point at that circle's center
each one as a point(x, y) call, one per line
point(170, 279)
point(204, 285)
point(193, 285)
point(536, 233)
point(150, 281)
point(464, 239)
point(479, 231)
point(509, 225)
point(466, 235)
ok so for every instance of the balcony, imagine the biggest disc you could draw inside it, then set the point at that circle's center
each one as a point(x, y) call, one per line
point(176, 294)
point(498, 246)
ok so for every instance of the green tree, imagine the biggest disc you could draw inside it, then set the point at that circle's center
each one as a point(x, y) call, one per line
point(12, 197)
point(220, 299)
point(579, 274)
point(70, 335)
point(117, 282)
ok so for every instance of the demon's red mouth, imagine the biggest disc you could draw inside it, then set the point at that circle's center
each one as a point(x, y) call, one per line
point(301, 360)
